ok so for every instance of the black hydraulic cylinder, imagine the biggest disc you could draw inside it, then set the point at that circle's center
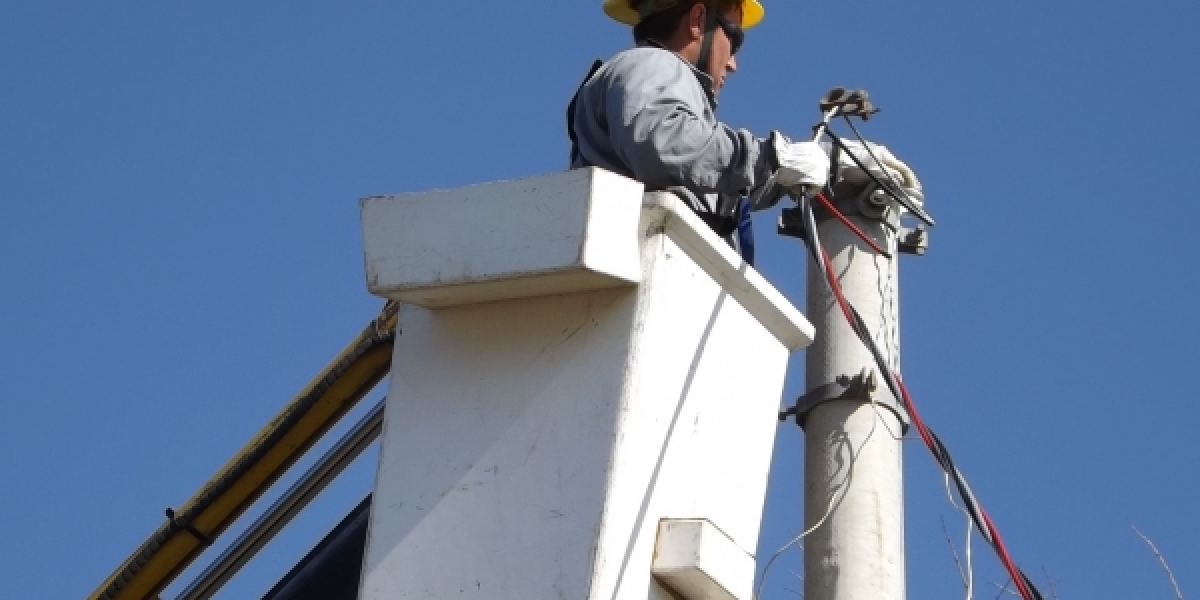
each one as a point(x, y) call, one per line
point(330, 571)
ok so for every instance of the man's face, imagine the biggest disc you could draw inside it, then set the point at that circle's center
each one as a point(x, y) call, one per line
point(723, 49)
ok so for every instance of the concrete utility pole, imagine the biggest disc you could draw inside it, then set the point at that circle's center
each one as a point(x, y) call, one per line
point(853, 464)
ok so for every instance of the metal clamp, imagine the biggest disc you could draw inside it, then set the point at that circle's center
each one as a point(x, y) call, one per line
point(909, 240)
point(913, 241)
point(852, 103)
point(863, 387)
point(850, 200)
point(180, 525)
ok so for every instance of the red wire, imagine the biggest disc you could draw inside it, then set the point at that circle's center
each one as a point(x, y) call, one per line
point(926, 436)
point(1013, 572)
point(837, 288)
point(912, 413)
point(998, 542)
point(850, 225)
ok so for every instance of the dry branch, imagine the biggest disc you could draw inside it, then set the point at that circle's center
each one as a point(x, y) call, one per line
point(1053, 592)
point(1166, 567)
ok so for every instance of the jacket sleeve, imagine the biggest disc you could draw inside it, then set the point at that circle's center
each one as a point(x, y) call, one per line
point(662, 126)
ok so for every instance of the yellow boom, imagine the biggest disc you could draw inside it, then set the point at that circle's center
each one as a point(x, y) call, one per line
point(190, 529)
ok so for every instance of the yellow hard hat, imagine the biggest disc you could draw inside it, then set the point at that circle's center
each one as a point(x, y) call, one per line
point(624, 11)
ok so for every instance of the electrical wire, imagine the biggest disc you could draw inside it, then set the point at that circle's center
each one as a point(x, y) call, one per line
point(887, 172)
point(981, 517)
point(967, 557)
point(968, 576)
point(833, 502)
point(905, 201)
point(971, 505)
point(852, 227)
point(853, 457)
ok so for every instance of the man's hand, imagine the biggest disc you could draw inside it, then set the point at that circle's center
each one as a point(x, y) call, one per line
point(799, 164)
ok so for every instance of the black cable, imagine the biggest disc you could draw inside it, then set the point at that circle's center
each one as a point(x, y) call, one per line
point(905, 201)
point(940, 453)
point(871, 153)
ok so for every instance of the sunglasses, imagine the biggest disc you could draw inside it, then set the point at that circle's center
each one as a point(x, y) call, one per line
point(735, 33)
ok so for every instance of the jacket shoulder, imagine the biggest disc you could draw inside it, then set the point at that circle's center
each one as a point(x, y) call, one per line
point(644, 59)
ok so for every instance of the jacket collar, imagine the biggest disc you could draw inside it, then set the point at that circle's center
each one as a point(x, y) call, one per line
point(706, 80)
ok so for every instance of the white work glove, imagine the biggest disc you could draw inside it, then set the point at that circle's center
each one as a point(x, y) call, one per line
point(887, 169)
point(896, 169)
point(799, 164)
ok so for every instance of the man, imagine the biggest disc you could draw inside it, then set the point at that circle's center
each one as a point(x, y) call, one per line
point(649, 113)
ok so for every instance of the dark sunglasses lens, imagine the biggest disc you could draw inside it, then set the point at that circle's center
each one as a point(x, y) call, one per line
point(735, 34)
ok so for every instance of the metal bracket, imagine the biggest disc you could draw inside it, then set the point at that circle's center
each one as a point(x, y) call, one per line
point(849, 199)
point(791, 223)
point(180, 525)
point(910, 240)
point(859, 388)
point(913, 241)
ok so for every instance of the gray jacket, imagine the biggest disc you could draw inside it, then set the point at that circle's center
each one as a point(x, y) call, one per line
point(649, 114)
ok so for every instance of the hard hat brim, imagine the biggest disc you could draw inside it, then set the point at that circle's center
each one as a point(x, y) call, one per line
point(621, 11)
point(752, 13)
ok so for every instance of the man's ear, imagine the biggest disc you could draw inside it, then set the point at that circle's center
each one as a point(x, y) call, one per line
point(695, 20)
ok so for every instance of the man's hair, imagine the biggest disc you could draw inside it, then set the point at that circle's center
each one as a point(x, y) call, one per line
point(661, 26)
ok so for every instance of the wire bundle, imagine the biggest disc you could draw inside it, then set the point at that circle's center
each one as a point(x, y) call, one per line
point(941, 454)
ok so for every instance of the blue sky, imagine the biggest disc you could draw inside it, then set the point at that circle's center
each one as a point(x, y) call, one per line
point(180, 250)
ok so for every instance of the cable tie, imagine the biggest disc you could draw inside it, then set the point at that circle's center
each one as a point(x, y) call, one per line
point(177, 525)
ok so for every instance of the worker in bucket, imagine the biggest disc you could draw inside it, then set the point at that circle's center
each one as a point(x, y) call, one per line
point(649, 113)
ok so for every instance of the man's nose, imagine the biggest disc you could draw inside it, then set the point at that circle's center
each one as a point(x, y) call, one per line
point(731, 66)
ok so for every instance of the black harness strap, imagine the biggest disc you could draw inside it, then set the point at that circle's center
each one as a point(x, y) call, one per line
point(710, 28)
point(723, 226)
point(571, 109)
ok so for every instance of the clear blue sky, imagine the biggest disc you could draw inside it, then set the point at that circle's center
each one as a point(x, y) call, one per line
point(180, 252)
